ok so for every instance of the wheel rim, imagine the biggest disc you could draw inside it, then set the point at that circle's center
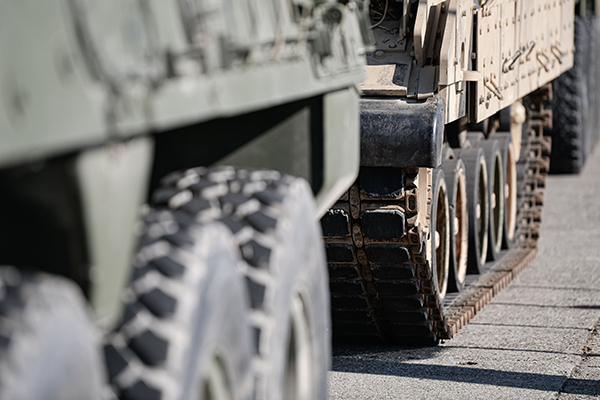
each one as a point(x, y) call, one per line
point(298, 378)
point(497, 202)
point(215, 384)
point(461, 224)
point(482, 212)
point(442, 241)
point(511, 195)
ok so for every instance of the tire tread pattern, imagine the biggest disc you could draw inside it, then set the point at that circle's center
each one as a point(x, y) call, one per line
point(574, 121)
point(247, 203)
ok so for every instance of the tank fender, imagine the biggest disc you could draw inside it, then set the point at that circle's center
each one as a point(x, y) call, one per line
point(401, 132)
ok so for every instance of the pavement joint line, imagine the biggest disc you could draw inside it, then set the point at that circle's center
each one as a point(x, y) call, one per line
point(588, 350)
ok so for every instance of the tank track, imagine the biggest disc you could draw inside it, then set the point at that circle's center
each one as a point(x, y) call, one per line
point(382, 289)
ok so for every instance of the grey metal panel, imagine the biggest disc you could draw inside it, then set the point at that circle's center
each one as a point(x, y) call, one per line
point(48, 103)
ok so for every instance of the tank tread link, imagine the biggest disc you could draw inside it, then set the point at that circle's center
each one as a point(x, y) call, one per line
point(381, 286)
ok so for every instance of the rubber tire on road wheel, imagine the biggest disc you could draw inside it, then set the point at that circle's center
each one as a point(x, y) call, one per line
point(272, 220)
point(510, 195)
point(477, 192)
point(440, 252)
point(456, 180)
point(48, 347)
point(496, 185)
point(185, 333)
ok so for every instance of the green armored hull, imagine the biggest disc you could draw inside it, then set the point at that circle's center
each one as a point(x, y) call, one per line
point(100, 101)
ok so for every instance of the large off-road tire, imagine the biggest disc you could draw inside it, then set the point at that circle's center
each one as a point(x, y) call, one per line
point(286, 255)
point(592, 67)
point(48, 347)
point(570, 109)
point(439, 225)
point(456, 181)
point(272, 220)
point(477, 201)
point(185, 332)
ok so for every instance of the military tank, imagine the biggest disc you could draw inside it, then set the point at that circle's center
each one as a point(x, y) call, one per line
point(164, 167)
point(455, 148)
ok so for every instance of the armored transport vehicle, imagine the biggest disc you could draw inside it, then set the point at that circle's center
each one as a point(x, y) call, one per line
point(164, 166)
point(169, 160)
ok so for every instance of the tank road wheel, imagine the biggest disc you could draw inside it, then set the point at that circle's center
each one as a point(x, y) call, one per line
point(272, 220)
point(48, 348)
point(510, 189)
point(496, 184)
point(439, 226)
point(185, 332)
point(456, 181)
point(477, 202)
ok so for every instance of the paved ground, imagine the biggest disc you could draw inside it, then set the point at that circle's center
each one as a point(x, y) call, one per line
point(538, 339)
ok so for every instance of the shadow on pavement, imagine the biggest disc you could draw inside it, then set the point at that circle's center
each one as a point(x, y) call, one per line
point(570, 328)
point(582, 386)
point(523, 380)
point(555, 288)
point(399, 353)
point(587, 307)
point(508, 349)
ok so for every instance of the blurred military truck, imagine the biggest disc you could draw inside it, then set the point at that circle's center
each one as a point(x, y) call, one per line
point(164, 166)
point(575, 116)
